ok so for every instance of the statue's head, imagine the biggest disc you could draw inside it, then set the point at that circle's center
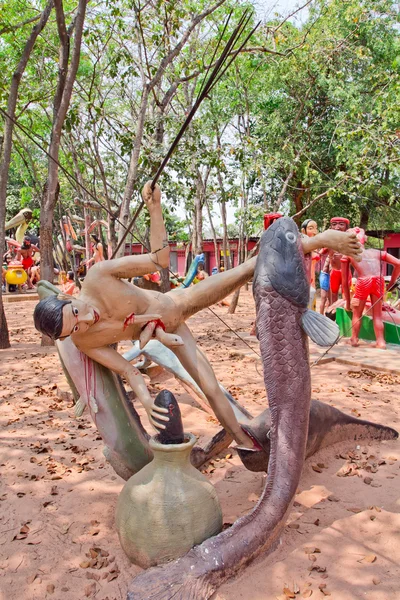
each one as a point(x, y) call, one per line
point(26, 244)
point(309, 228)
point(340, 223)
point(60, 316)
point(360, 233)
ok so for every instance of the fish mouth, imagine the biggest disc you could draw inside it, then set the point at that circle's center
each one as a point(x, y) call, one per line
point(96, 317)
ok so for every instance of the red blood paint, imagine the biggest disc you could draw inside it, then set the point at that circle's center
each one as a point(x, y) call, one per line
point(158, 323)
point(130, 319)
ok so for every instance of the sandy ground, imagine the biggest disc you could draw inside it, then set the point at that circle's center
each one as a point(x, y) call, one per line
point(58, 495)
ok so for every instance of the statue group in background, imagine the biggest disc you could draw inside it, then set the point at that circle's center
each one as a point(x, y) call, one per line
point(362, 287)
point(21, 255)
point(370, 284)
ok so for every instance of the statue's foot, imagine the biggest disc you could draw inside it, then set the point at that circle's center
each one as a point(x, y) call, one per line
point(353, 342)
point(379, 345)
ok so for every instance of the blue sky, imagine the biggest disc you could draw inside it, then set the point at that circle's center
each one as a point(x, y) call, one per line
point(266, 8)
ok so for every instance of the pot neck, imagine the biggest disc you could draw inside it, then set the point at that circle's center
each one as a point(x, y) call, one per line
point(173, 454)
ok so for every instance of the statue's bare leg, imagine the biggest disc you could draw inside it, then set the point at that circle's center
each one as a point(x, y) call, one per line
point(200, 369)
point(356, 321)
point(324, 301)
point(378, 321)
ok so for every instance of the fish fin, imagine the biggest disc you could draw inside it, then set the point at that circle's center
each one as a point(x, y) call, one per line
point(79, 407)
point(319, 328)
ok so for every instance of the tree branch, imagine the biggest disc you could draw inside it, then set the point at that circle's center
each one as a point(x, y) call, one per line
point(310, 204)
point(9, 28)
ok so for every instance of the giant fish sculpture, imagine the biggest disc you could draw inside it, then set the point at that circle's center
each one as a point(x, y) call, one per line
point(281, 293)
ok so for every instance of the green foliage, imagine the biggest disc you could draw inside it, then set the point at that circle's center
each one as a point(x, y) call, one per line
point(318, 110)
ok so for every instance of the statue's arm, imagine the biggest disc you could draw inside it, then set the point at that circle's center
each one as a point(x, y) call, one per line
point(344, 242)
point(111, 359)
point(392, 260)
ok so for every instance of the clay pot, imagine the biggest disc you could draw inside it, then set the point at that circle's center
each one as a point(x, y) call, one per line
point(167, 507)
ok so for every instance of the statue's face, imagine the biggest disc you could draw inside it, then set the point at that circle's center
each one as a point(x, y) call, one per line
point(339, 225)
point(312, 229)
point(78, 317)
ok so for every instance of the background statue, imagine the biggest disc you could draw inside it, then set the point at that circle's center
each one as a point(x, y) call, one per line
point(21, 222)
point(370, 284)
point(333, 265)
point(310, 229)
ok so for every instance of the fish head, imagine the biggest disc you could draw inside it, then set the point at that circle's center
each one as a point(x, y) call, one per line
point(280, 263)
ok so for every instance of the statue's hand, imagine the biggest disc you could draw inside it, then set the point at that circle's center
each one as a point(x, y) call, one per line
point(155, 414)
point(346, 243)
point(152, 198)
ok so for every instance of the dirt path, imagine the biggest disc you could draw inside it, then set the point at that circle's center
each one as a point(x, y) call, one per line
point(58, 494)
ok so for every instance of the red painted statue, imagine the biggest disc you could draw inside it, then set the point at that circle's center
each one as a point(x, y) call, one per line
point(370, 284)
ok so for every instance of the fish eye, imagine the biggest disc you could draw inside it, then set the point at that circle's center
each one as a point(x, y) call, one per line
point(75, 311)
point(75, 329)
point(290, 236)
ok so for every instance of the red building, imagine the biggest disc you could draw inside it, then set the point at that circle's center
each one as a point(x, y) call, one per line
point(178, 254)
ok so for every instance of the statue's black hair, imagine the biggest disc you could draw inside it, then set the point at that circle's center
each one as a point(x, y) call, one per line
point(95, 237)
point(70, 275)
point(48, 316)
point(305, 224)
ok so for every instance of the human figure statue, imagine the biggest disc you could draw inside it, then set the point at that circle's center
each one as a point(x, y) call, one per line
point(310, 229)
point(324, 284)
point(370, 284)
point(25, 254)
point(334, 264)
point(35, 274)
point(201, 273)
point(97, 249)
point(69, 286)
point(110, 309)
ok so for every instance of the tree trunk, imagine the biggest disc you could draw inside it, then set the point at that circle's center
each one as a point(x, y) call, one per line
point(364, 217)
point(234, 302)
point(62, 98)
point(165, 282)
point(242, 251)
point(225, 240)
point(197, 243)
point(213, 231)
point(124, 215)
point(298, 201)
point(7, 147)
